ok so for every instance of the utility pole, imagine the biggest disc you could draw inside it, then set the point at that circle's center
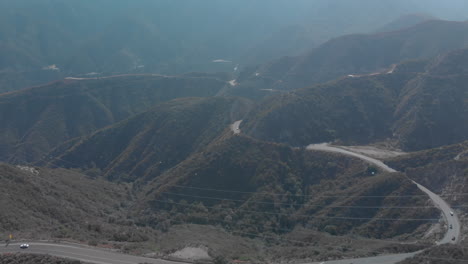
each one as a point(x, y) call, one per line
point(7, 241)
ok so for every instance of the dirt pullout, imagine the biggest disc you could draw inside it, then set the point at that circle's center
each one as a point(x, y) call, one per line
point(374, 152)
point(301, 245)
point(192, 254)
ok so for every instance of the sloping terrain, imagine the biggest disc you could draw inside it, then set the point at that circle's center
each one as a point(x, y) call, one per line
point(439, 255)
point(35, 120)
point(159, 36)
point(413, 109)
point(353, 110)
point(147, 144)
point(359, 54)
point(40, 203)
point(34, 259)
point(443, 170)
point(434, 102)
point(256, 187)
point(406, 21)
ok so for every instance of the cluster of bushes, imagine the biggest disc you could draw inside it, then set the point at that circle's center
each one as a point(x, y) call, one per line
point(34, 259)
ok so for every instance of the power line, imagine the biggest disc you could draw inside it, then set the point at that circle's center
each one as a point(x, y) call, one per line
point(302, 204)
point(308, 216)
point(311, 244)
point(305, 195)
point(390, 242)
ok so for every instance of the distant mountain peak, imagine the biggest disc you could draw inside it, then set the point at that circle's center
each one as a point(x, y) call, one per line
point(406, 21)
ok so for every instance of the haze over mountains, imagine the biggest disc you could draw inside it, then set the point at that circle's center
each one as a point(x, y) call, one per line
point(356, 54)
point(118, 125)
point(172, 37)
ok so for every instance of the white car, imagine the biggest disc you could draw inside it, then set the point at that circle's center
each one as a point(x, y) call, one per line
point(451, 213)
point(24, 246)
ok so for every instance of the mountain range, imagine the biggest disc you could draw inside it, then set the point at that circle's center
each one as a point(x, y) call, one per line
point(113, 143)
point(145, 145)
point(412, 105)
point(355, 54)
point(78, 38)
point(38, 119)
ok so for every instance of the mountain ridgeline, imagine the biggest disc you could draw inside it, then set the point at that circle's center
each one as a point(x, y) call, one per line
point(277, 188)
point(355, 54)
point(38, 119)
point(411, 105)
point(145, 145)
point(132, 140)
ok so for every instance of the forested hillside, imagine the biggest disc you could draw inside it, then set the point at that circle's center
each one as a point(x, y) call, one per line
point(258, 187)
point(410, 108)
point(355, 54)
point(144, 146)
point(181, 131)
point(36, 120)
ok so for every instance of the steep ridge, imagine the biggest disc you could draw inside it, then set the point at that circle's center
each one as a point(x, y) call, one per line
point(147, 144)
point(41, 203)
point(405, 21)
point(360, 54)
point(154, 36)
point(434, 101)
point(442, 169)
point(242, 183)
point(411, 105)
point(452, 234)
point(354, 110)
point(36, 120)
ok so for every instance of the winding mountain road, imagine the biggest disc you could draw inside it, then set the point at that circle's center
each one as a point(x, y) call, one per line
point(103, 256)
point(451, 236)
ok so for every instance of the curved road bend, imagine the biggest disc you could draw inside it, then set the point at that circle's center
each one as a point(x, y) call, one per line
point(102, 256)
point(82, 253)
point(437, 200)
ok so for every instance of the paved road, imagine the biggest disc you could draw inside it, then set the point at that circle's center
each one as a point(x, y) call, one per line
point(117, 76)
point(82, 253)
point(450, 220)
point(388, 71)
point(102, 256)
point(326, 147)
point(437, 200)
